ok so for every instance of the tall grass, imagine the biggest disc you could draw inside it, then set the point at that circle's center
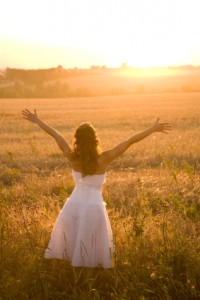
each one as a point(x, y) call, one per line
point(152, 194)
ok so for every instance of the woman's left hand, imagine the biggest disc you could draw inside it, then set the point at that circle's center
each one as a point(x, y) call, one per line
point(32, 117)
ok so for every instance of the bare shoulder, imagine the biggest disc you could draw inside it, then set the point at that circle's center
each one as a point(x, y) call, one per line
point(103, 157)
point(103, 161)
point(74, 163)
point(107, 156)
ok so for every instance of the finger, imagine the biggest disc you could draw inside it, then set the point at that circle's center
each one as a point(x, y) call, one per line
point(24, 113)
point(35, 112)
point(28, 111)
point(158, 119)
point(165, 124)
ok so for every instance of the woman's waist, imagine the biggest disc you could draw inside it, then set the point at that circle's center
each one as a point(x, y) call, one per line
point(83, 193)
point(87, 187)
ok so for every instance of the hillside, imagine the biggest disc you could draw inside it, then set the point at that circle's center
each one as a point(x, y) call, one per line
point(97, 81)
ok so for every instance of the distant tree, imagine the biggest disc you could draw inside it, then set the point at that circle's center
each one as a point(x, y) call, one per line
point(59, 68)
point(19, 89)
point(65, 90)
point(39, 90)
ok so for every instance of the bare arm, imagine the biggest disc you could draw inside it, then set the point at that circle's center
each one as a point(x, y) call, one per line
point(111, 154)
point(33, 117)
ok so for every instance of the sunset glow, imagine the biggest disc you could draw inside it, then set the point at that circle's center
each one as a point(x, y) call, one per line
point(143, 33)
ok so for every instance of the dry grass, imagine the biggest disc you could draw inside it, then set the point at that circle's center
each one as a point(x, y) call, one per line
point(152, 191)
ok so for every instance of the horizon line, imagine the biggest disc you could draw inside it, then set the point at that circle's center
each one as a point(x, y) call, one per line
point(122, 66)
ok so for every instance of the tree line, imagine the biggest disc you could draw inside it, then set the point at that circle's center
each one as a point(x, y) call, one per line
point(56, 89)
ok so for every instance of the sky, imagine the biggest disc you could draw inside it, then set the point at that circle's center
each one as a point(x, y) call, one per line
point(83, 33)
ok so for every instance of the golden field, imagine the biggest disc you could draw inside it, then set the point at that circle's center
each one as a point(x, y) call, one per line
point(152, 194)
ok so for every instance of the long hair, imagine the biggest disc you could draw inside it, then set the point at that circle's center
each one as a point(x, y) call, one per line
point(86, 148)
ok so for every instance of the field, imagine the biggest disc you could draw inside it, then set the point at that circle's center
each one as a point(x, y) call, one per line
point(152, 194)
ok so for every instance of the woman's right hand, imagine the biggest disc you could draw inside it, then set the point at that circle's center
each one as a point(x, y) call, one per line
point(161, 127)
point(27, 115)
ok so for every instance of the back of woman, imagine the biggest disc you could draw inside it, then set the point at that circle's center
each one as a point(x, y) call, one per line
point(82, 233)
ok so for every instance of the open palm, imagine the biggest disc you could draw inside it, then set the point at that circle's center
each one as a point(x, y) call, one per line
point(161, 127)
point(32, 117)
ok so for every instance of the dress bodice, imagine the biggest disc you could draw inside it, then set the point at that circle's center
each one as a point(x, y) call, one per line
point(89, 181)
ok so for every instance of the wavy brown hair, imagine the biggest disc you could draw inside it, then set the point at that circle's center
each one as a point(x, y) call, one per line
point(86, 148)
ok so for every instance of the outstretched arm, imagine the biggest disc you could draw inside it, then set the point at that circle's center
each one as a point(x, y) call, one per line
point(33, 117)
point(111, 154)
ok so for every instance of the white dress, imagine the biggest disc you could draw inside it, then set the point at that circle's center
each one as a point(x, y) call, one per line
point(82, 233)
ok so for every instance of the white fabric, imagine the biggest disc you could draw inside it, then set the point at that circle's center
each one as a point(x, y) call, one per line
point(82, 233)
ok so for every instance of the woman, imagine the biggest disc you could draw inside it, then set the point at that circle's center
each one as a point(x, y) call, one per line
point(82, 232)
